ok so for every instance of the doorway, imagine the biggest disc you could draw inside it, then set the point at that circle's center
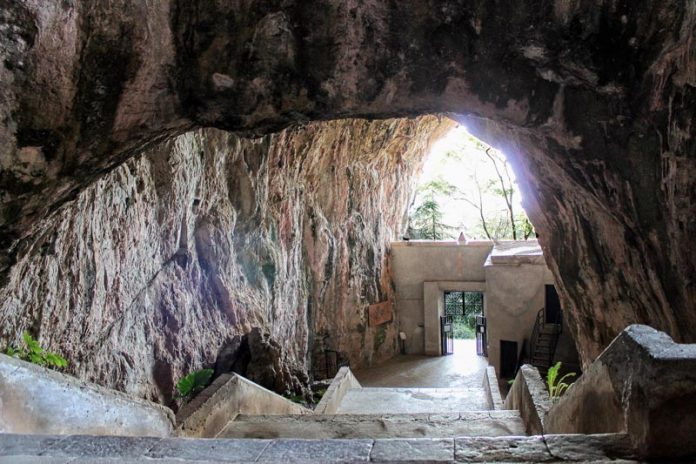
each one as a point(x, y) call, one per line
point(552, 305)
point(508, 359)
point(465, 311)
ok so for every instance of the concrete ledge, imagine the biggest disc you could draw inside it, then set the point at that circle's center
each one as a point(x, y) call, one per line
point(34, 399)
point(90, 449)
point(341, 383)
point(529, 396)
point(442, 243)
point(490, 385)
point(229, 395)
point(643, 384)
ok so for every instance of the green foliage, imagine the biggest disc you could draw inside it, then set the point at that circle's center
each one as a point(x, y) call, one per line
point(557, 386)
point(463, 330)
point(320, 394)
point(380, 337)
point(297, 399)
point(463, 307)
point(438, 186)
point(527, 227)
point(426, 221)
point(193, 383)
point(30, 350)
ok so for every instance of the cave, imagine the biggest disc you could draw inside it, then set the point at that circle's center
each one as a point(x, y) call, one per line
point(183, 177)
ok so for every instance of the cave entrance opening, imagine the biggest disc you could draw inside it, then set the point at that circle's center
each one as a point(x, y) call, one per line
point(467, 187)
point(469, 236)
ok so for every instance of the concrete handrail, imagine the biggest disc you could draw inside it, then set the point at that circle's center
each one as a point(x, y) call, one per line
point(490, 385)
point(228, 396)
point(341, 383)
point(37, 400)
point(528, 395)
point(643, 384)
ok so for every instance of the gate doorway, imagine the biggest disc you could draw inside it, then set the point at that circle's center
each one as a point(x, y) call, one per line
point(465, 311)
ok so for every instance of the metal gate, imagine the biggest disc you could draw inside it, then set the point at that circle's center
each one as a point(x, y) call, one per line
point(447, 335)
point(465, 310)
point(481, 342)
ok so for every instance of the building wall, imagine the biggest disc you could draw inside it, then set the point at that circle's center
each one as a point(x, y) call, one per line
point(514, 294)
point(416, 262)
point(512, 282)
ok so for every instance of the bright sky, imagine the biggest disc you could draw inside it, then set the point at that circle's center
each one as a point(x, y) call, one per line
point(460, 172)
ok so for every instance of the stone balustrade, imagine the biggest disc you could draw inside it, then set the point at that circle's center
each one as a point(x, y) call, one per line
point(644, 385)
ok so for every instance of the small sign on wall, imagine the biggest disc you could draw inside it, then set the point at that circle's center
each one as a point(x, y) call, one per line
point(379, 313)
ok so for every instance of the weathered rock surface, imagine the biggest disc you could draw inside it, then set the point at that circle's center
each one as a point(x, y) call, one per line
point(594, 101)
point(157, 266)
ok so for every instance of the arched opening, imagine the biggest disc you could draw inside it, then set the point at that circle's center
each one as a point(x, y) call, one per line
point(467, 187)
point(470, 276)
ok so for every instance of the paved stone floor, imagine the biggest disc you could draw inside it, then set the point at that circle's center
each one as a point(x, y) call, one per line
point(369, 400)
point(463, 369)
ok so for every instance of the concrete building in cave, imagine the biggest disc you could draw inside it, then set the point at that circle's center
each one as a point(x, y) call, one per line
point(516, 286)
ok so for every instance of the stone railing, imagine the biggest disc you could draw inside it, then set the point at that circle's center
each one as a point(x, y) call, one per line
point(228, 396)
point(644, 385)
point(37, 400)
point(529, 396)
point(342, 382)
point(490, 386)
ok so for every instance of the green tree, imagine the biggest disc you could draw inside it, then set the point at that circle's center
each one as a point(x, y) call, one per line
point(426, 221)
point(507, 224)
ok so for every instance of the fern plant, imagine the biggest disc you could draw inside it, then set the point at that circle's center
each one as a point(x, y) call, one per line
point(30, 350)
point(557, 386)
point(193, 383)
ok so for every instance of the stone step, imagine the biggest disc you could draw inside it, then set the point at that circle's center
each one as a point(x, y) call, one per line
point(412, 400)
point(47, 449)
point(469, 424)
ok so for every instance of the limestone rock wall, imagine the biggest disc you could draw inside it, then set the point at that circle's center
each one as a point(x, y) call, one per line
point(150, 270)
point(594, 99)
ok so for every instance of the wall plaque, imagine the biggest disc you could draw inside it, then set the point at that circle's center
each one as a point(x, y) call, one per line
point(379, 313)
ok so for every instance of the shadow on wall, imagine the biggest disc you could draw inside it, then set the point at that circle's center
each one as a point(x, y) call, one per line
point(259, 358)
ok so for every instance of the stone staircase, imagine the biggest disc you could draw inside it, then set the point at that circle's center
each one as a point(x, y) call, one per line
point(465, 424)
point(543, 342)
point(239, 421)
point(235, 420)
point(235, 408)
point(350, 411)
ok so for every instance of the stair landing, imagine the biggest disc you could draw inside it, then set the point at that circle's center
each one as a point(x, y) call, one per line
point(369, 400)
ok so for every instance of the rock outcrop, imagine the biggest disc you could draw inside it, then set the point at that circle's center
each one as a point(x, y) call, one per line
point(154, 268)
point(594, 101)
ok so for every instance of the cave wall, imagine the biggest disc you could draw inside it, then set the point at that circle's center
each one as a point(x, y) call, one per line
point(594, 101)
point(154, 267)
